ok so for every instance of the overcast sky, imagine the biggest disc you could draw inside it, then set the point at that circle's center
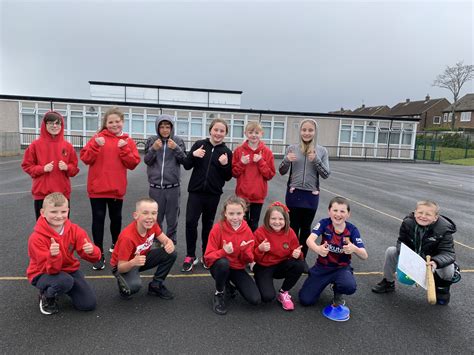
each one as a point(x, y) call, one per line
point(301, 56)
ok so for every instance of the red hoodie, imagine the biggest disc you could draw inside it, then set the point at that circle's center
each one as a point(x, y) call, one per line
point(221, 231)
point(44, 150)
point(281, 246)
point(70, 241)
point(108, 164)
point(252, 177)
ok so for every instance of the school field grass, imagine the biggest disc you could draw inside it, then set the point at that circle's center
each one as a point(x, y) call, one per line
point(465, 162)
point(447, 155)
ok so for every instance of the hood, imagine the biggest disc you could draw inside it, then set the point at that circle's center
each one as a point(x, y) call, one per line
point(315, 139)
point(227, 228)
point(162, 118)
point(246, 147)
point(44, 134)
point(107, 133)
point(42, 227)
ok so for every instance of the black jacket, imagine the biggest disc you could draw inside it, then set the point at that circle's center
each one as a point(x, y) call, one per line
point(437, 241)
point(209, 175)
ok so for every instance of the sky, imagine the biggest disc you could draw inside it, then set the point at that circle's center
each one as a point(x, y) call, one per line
point(310, 56)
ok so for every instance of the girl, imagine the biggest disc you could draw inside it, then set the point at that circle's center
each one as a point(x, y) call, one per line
point(253, 165)
point(109, 154)
point(50, 161)
point(229, 250)
point(211, 162)
point(306, 161)
point(277, 255)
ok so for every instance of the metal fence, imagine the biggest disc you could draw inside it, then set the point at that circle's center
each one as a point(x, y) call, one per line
point(450, 145)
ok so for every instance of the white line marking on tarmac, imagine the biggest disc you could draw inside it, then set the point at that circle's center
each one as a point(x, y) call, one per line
point(385, 214)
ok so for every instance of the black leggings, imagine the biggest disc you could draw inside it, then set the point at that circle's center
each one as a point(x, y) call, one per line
point(253, 215)
point(99, 208)
point(221, 272)
point(290, 270)
point(300, 222)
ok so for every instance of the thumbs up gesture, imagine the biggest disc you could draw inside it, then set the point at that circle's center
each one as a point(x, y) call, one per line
point(245, 159)
point(228, 247)
point(200, 152)
point(139, 260)
point(264, 246)
point(87, 247)
point(348, 248)
point(324, 249)
point(297, 252)
point(223, 159)
point(54, 248)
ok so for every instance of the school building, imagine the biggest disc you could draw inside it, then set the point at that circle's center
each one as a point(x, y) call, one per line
point(344, 135)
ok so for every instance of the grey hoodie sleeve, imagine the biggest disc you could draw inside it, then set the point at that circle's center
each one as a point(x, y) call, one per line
point(150, 153)
point(180, 150)
point(321, 162)
point(285, 164)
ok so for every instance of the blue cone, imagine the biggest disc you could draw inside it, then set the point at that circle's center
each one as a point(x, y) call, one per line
point(337, 313)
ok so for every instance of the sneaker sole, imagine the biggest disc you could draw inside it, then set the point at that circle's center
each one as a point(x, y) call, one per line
point(385, 291)
point(195, 262)
point(151, 293)
point(45, 312)
point(98, 268)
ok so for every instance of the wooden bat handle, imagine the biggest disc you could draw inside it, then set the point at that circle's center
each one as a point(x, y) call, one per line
point(430, 284)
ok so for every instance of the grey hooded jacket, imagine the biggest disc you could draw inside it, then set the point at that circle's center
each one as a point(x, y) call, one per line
point(163, 164)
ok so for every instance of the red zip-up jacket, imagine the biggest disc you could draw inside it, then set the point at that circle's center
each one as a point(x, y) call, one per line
point(281, 246)
point(252, 178)
point(108, 164)
point(71, 240)
point(44, 150)
point(221, 231)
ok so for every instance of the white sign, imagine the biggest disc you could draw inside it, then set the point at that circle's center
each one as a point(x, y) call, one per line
point(413, 265)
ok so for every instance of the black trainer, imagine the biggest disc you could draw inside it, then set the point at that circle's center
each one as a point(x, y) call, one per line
point(160, 290)
point(47, 305)
point(124, 290)
point(218, 304)
point(384, 286)
point(100, 265)
point(442, 295)
point(111, 249)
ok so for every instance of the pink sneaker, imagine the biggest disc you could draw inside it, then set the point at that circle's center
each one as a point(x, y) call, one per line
point(285, 299)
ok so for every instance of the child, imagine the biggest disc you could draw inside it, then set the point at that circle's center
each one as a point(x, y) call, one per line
point(277, 255)
point(229, 250)
point(163, 154)
point(211, 161)
point(133, 254)
point(253, 165)
point(109, 154)
point(53, 268)
point(306, 161)
point(426, 232)
point(50, 161)
point(339, 240)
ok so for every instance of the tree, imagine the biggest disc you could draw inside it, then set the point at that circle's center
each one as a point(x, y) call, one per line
point(453, 79)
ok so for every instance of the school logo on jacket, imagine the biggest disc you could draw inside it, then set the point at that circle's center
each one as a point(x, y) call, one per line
point(285, 246)
point(147, 245)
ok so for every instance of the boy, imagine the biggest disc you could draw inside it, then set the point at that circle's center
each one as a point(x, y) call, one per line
point(163, 154)
point(50, 161)
point(133, 254)
point(426, 232)
point(253, 166)
point(339, 240)
point(53, 268)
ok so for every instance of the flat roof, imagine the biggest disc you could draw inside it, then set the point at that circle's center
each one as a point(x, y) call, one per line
point(201, 108)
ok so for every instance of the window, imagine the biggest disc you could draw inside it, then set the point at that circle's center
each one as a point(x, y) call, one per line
point(278, 130)
point(182, 127)
point(196, 126)
point(383, 136)
point(150, 125)
point(370, 134)
point(358, 134)
point(77, 118)
point(345, 133)
point(395, 136)
point(450, 117)
point(436, 119)
point(92, 121)
point(138, 124)
point(445, 117)
point(126, 124)
point(406, 136)
point(465, 116)
point(267, 129)
point(28, 117)
point(238, 129)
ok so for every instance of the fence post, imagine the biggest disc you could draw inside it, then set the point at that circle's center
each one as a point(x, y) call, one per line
point(433, 147)
point(466, 147)
point(424, 149)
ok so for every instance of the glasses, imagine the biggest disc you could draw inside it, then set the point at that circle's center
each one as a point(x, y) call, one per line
point(52, 124)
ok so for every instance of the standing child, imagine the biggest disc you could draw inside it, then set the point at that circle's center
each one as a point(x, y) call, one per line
point(339, 240)
point(109, 154)
point(50, 160)
point(229, 250)
point(211, 161)
point(306, 161)
point(53, 267)
point(277, 255)
point(133, 253)
point(253, 166)
point(163, 154)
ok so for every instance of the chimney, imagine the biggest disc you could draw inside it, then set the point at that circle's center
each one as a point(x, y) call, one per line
point(427, 98)
point(407, 100)
point(363, 105)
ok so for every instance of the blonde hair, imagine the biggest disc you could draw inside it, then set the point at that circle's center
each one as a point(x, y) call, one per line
point(428, 203)
point(111, 111)
point(144, 199)
point(268, 213)
point(307, 148)
point(55, 199)
point(253, 126)
point(233, 200)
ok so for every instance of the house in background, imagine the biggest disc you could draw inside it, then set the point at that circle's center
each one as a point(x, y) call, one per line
point(372, 111)
point(464, 114)
point(427, 111)
point(342, 111)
